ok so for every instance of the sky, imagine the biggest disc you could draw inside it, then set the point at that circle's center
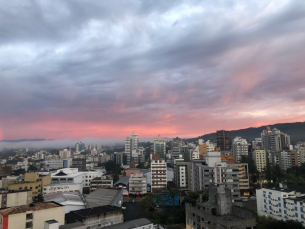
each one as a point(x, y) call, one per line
point(102, 69)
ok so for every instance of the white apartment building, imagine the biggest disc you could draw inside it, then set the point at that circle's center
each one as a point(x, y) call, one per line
point(285, 157)
point(71, 175)
point(281, 204)
point(239, 148)
point(260, 159)
point(54, 164)
point(89, 175)
point(64, 154)
point(158, 173)
point(195, 154)
point(131, 143)
point(217, 172)
point(62, 187)
point(138, 184)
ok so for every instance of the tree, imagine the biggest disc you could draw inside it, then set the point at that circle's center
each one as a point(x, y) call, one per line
point(251, 164)
point(18, 172)
point(32, 168)
point(141, 166)
point(268, 172)
point(38, 198)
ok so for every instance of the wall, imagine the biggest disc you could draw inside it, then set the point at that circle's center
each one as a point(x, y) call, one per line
point(105, 219)
point(19, 198)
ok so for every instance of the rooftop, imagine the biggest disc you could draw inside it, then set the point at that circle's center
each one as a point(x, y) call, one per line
point(102, 196)
point(130, 224)
point(62, 184)
point(71, 225)
point(123, 180)
point(30, 207)
point(79, 215)
point(60, 197)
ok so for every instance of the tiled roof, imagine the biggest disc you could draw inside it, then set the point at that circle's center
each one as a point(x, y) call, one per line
point(29, 207)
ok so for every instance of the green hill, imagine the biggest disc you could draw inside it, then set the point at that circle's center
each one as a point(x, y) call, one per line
point(295, 130)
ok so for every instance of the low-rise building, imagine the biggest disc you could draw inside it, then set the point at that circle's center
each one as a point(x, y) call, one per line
point(54, 164)
point(15, 198)
point(281, 203)
point(31, 181)
point(138, 184)
point(102, 197)
point(79, 163)
point(96, 217)
point(71, 200)
point(62, 187)
point(214, 210)
point(101, 182)
point(32, 215)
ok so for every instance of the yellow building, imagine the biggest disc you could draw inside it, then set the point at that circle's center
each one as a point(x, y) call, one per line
point(31, 181)
point(260, 159)
point(31, 216)
point(243, 177)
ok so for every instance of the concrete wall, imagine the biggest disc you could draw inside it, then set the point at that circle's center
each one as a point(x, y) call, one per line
point(19, 198)
point(105, 220)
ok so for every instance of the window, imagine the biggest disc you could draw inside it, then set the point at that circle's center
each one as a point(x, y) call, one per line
point(29, 216)
point(28, 224)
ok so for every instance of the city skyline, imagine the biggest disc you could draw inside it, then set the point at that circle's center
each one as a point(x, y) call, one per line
point(185, 68)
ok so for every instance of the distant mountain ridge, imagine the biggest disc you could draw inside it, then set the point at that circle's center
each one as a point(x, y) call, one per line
point(296, 131)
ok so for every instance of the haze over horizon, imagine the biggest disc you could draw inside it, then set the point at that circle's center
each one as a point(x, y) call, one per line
point(99, 69)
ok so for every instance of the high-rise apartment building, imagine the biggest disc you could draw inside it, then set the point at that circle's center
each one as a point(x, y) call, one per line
point(160, 147)
point(64, 154)
point(182, 174)
point(213, 170)
point(274, 140)
point(239, 148)
point(131, 143)
point(223, 140)
point(260, 159)
point(79, 147)
point(158, 173)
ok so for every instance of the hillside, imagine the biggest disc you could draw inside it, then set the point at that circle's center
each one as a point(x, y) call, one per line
point(295, 130)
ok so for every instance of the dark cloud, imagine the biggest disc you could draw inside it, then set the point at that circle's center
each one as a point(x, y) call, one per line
point(140, 63)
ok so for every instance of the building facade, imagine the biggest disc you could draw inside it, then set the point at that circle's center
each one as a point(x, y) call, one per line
point(15, 198)
point(32, 215)
point(214, 210)
point(223, 140)
point(260, 159)
point(182, 174)
point(138, 184)
point(158, 173)
point(101, 182)
point(79, 163)
point(281, 204)
point(131, 143)
point(64, 154)
point(239, 148)
point(160, 147)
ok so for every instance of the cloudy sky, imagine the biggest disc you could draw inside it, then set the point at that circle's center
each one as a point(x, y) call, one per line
point(73, 69)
